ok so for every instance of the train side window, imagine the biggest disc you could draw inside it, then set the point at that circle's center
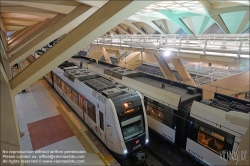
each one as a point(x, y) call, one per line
point(55, 79)
point(59, 82)
point(91, 111)
point(75, 96)
point(210, 140)
point(49, 75)
point(155, 111)
point(101, 120)
point(69, 91)
point(63, 87)
point(168, 117)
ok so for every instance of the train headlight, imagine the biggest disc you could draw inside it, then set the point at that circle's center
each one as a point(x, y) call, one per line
point(126, 105)
point(146, 141)
point(125, 151)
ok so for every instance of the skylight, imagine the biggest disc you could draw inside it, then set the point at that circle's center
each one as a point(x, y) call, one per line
point(189, 6)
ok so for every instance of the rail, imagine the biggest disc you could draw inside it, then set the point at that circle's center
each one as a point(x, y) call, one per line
point(216, 44)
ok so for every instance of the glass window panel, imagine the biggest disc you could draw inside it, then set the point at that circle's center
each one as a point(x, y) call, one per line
point(63, 87)
point(75, 96)
point(55, 79)
point(132, 127)
point(101, 120)
point(91, 111)
point(69, 91)
point(155, 112)
point(210, 142)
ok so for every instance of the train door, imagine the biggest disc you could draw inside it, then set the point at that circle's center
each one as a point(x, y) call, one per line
point(101, 125)
point(82, 105)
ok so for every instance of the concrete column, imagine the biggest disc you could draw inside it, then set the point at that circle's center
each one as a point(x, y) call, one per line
point(165, 68)
point(106, 55)
point(91, 28)
point(132, 61)
point(29, 38)
point(180, 68)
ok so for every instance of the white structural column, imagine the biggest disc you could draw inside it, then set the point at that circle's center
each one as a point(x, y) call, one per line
point(118, 55)
point(215, 12)
point(93, 27)
point(32, 29)
point(95, 53)
point(29, 38)
point(162, 61)
point(130, 24)
point(70, 21)
point(164, 21)
point(106, 55)
point(4, 61)
point(180, 68)
point(132, 61)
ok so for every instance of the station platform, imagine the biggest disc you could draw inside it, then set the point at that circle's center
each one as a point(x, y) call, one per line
point(49, 124)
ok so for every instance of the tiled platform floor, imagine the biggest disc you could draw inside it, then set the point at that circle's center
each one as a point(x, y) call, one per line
point(48, 131)
point(46, 128)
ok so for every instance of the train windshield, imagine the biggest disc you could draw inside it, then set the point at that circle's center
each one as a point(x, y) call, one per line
point(132, 127)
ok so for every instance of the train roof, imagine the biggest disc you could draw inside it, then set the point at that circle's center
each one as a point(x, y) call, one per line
point(106, 87)
point(227, 103)
point(186, 92)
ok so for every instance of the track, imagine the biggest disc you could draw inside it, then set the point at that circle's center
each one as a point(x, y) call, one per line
point(167, 154)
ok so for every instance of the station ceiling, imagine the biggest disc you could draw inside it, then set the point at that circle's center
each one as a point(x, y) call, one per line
point(162, 17)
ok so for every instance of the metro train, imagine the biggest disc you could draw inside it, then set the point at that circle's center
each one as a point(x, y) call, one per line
point(114, 113)
point(200, 128)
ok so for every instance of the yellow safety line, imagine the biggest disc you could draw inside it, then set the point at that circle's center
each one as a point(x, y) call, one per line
point(109, 158)
point(105, 162)
point(103, 159)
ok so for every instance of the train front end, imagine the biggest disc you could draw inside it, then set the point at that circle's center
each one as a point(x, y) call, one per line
point(133, 122)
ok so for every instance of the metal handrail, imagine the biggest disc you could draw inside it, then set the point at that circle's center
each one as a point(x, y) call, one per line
point(228, 43)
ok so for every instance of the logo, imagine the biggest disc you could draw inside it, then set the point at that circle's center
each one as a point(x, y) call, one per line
point(137, 146)
point(136, 142)
point(234, 155)
point(195, 154)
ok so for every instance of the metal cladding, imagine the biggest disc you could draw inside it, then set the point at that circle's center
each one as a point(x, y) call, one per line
point(119, 72)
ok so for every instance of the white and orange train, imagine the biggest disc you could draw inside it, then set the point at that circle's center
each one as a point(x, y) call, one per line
point(114, 113)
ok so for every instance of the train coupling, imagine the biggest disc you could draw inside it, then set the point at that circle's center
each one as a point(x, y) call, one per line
point(139, 157)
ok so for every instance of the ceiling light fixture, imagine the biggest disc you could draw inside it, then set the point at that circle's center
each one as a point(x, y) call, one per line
point(167, 53)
